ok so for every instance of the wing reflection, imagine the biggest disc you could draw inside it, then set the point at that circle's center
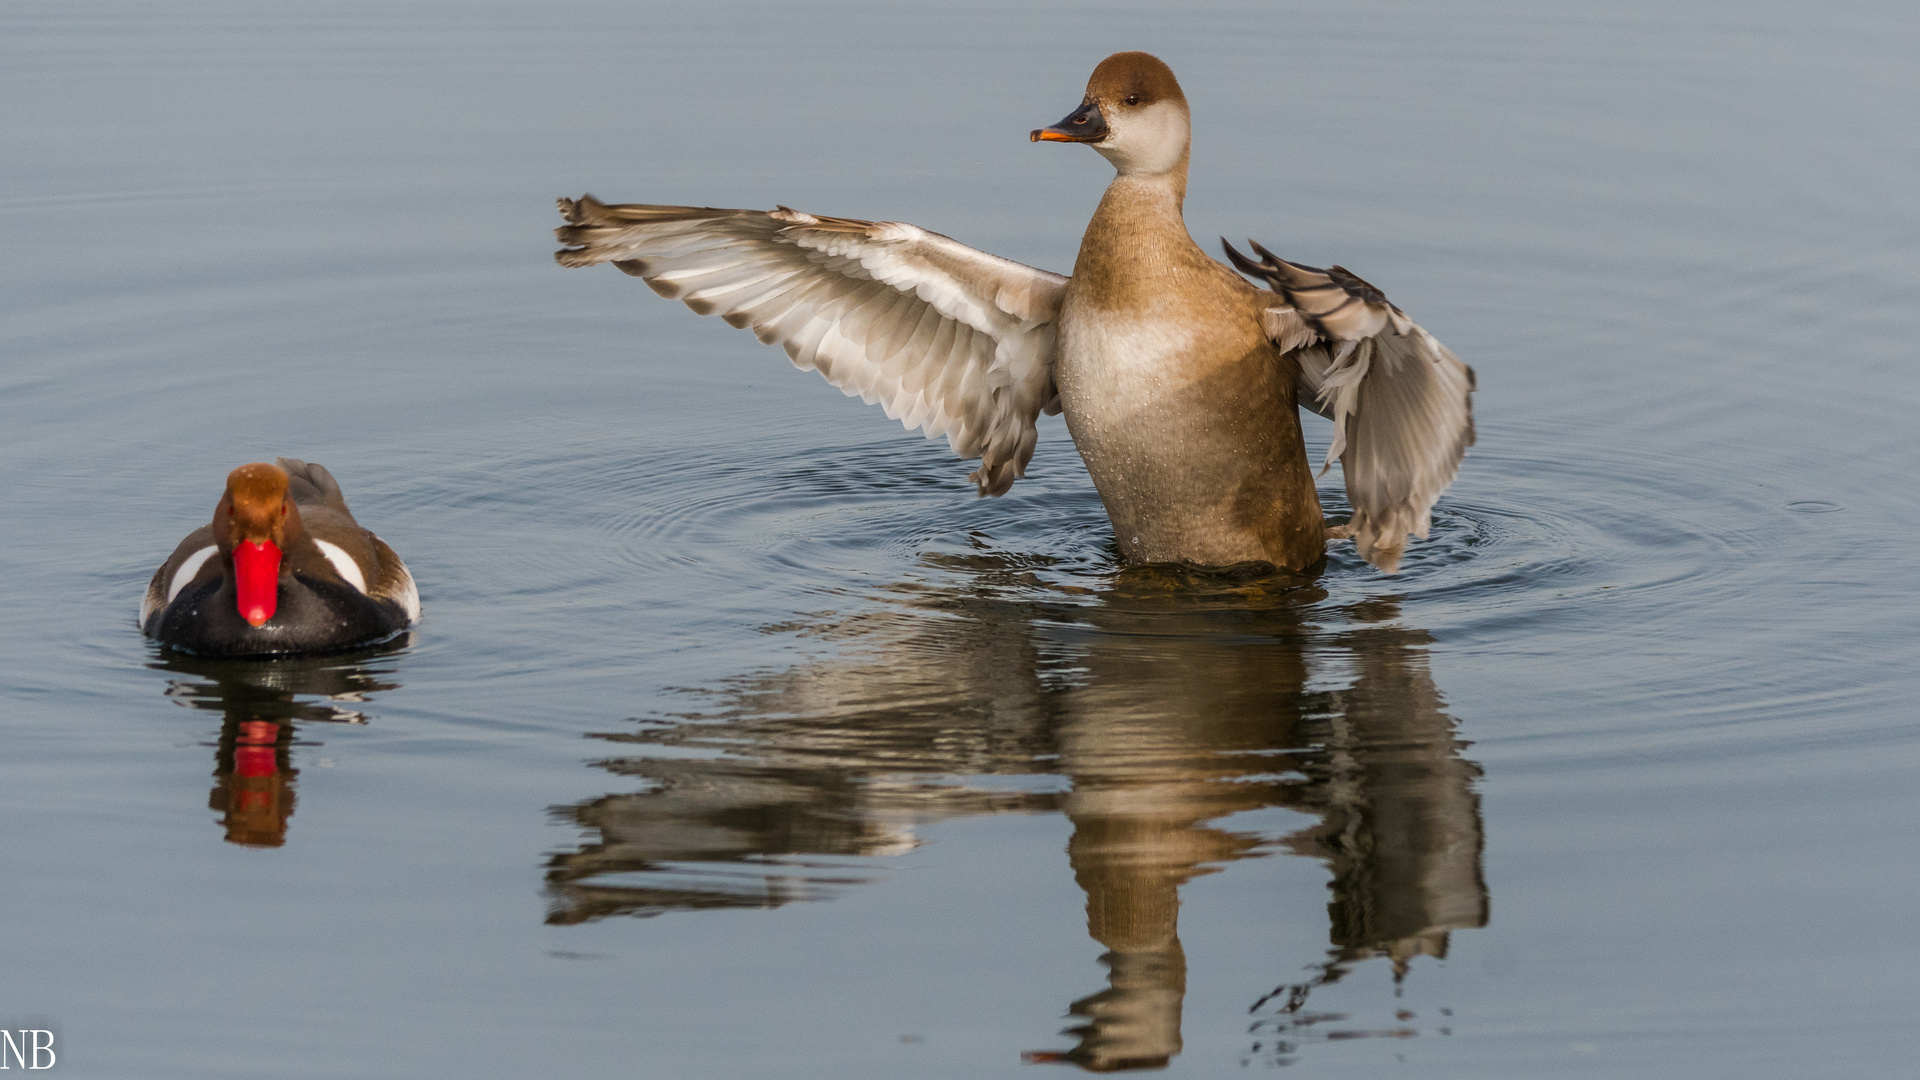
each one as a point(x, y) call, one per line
point(262, 702)
point(1165, 707)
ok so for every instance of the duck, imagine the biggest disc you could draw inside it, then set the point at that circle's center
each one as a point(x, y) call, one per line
point(1180, 380)
point(282, 569)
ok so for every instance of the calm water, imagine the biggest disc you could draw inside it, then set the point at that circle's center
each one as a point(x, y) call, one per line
point(740, 739)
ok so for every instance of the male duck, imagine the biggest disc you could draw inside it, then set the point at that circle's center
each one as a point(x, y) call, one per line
point(1179, 380)
point(283, 568)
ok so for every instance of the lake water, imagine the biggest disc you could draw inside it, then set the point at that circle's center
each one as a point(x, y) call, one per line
point(740, 739)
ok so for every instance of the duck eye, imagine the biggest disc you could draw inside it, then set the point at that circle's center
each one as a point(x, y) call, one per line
point(1133, 99)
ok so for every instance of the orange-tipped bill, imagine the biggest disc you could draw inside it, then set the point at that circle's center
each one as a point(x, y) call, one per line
point(1085, 124)
point(256, 579)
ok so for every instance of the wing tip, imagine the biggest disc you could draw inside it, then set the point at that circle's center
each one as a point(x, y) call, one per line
point(581, 211)
point(995, 480)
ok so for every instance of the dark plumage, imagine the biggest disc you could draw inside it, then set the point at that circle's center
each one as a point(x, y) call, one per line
point(283, 568)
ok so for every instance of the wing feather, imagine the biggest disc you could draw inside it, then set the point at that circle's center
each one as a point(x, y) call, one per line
point(1401, 403)
point(946, 339)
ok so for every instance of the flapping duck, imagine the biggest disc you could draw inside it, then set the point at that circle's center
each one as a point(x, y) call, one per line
point(1180, 381)
point(283, 568)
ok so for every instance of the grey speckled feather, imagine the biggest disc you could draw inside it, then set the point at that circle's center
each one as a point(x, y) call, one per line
point(1401, 403)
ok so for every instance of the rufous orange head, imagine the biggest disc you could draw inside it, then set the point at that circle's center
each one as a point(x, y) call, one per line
point(257, 509)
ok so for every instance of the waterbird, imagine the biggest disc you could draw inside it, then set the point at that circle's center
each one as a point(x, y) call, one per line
point(283, 568)
point(1180, 381)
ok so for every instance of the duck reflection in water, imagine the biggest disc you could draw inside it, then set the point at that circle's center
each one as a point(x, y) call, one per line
point(1171, 703)
point(263, 702)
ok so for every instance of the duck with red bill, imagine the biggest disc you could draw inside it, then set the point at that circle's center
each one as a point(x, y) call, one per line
point(282, 569)
point(256, 580)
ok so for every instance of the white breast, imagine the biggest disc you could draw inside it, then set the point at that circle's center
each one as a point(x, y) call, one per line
point(1112, 364)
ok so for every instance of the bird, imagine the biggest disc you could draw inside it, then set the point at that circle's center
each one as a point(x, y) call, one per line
point(282, 569)
point(1180, 380)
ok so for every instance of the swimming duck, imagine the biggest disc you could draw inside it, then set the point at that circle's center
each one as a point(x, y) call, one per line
point(283, 568)
point(1179, 380)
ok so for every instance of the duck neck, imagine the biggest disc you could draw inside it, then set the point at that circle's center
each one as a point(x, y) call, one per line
point(1165, 188)
point(1139, 232)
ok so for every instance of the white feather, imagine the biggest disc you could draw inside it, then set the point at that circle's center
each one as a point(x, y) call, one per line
point(945, 338)
point(408, 596)
point(343, 564)
point(189, 569)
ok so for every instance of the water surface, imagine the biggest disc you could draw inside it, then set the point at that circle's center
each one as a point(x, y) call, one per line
point(739, 738)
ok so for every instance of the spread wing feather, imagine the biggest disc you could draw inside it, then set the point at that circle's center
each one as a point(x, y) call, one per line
point(945, 338)
point(1401, 403)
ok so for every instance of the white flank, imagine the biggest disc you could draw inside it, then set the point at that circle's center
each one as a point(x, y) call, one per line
point(409, 595)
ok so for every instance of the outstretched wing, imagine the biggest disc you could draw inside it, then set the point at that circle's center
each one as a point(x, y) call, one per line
point(947, 339)
point(1401, 403)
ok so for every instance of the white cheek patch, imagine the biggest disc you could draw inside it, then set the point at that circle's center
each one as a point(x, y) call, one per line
point(1147, 141)
point(344, 565)
point(188, 570)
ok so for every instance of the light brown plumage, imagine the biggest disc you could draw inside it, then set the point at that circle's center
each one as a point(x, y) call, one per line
point(1178, 379)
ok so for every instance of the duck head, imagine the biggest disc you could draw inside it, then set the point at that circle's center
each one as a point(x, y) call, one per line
point(1134, 114)
point(253, 524)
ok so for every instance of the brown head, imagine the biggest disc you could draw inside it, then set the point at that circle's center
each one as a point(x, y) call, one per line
point(1133, 113)
point(253, 524)
point(1135, 80)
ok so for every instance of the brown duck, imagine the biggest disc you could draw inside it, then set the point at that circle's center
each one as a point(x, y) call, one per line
point(1179, 380)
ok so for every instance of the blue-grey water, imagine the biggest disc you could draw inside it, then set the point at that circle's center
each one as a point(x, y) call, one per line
point(741, 739)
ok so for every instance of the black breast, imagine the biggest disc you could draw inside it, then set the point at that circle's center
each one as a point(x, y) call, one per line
point(313, 615)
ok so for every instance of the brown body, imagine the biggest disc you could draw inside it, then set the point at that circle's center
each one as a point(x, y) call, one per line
point(1183, 410)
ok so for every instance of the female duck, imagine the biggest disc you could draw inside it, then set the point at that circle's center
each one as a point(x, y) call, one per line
point(283, 568)
point(1180, 381)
